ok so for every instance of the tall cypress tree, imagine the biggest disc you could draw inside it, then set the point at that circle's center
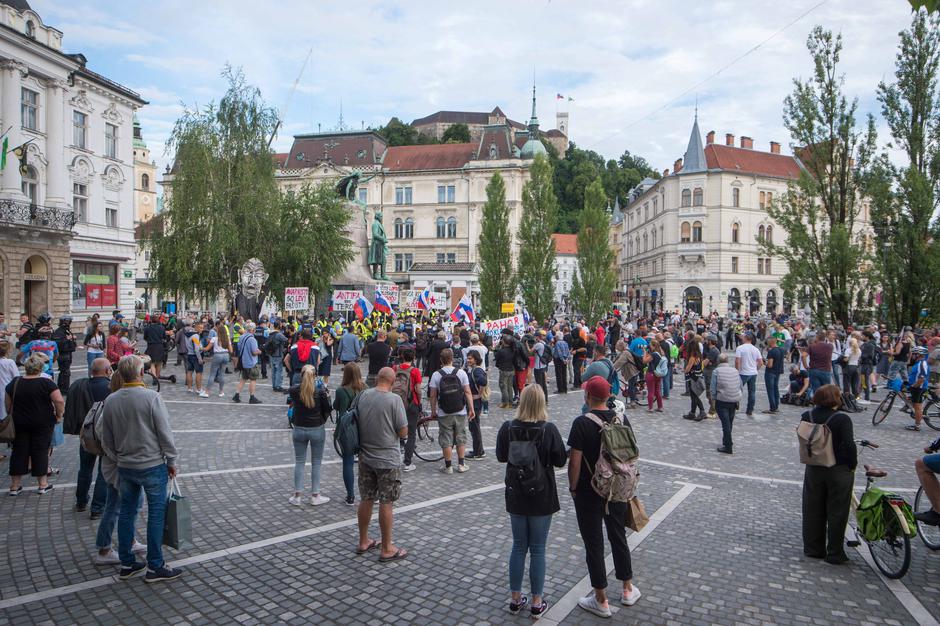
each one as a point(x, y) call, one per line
point(593, 286)
point(536, 247)
point(495, 250)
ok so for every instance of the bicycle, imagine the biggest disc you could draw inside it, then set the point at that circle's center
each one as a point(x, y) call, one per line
point(929, 533)
point(931, 412)
point(891, 552)
point(426, 446)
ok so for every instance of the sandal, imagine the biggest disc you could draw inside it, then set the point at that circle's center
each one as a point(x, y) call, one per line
point(913, 427)
point(399, 555)
point(371, 546)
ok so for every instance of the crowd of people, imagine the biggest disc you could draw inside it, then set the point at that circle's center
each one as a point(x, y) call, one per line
point(419, 367)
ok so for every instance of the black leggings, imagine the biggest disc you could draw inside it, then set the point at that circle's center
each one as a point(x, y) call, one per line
point(31, 449)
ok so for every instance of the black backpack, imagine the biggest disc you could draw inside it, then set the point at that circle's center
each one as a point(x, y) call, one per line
point(525, 474)
point(546, 357)
point(450, 396)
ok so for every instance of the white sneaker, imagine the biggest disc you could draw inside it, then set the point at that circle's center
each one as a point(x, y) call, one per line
point(409, 468)
point(190, 390)
point(203, 394)
point(461, 468)
point(447, 470)
point(317, 500)
point(860, 401)
point(589, 604)
point(296, 500)
point(221, 394)
point(139, 548)
point(111, 558)
point(629, 599)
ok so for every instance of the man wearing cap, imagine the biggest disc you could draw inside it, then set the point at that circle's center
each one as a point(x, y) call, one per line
point(540, 369)
point(747, 360)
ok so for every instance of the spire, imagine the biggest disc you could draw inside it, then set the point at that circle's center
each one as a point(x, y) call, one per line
point(617, 216)
point(533, 144)
point(694, 159)
point(533, 121)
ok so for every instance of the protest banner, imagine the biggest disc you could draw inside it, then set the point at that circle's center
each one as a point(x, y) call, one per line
point(296, 299)
point(343, 300)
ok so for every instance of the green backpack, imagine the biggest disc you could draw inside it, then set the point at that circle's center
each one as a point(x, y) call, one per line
point(875, 515)
point(673, 352)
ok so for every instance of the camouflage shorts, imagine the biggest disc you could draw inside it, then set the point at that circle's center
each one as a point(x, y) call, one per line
point(383, 485)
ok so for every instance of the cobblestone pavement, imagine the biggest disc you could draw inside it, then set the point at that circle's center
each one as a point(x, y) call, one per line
point(724, 547)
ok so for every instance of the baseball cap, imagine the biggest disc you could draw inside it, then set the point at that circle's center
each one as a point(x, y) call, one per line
point(597, 387)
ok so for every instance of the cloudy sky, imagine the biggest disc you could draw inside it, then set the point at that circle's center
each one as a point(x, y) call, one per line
point(626, 63)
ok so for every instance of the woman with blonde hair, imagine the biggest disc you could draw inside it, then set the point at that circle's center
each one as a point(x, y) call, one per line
point(350, 387)
point(221, 349)
point(311, 410)
point(531, 494)
point(851, 378)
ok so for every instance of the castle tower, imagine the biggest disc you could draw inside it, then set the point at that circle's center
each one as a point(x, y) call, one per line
point(145, 184)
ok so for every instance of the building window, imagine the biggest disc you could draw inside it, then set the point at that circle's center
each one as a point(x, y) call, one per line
point(79, 129)
point(655, 206)
point(30, 29)
point(80, 201)
point(451, 227)
point(441, 257)
point(686, 197)
point(645, 243)
point(767, 269)
point(646, 212)
point(760, 265)
point(769, 235)
point(409, 228)
point(735, 196)
point(441, 228)
point(399, 228)
point(29, 104)
point(30, 184)
point(451, 257)
point(735, 233)
point(110, 141)
point(698, 197)
point(760, 233)
point(111, 217)
point(399, 262)
point(770, 198)
point(697, 232)
point(94, 285)
point(734, 265)
point(653, 238)
point(662, 235)
point(766, 199)
point(363, 195)
point(145, 182)
point(685, 233)
point(446, 194)
point(403, 195)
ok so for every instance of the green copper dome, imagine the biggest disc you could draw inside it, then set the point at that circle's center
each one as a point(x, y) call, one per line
point(138, 136)
point(533, 147)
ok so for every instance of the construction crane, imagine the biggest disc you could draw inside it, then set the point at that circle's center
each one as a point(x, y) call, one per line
point(290, 96)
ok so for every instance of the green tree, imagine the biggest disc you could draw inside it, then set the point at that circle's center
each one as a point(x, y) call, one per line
point(456, 133)
point(902, 215)
point(398, 133)
point(594, 283)
point(495, 250)
point(820, 212)
point(536, 275)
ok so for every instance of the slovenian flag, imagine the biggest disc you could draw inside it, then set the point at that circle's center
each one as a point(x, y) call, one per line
point(382, 305)
point(424, 300)
point(362, 308)
point(464, 310)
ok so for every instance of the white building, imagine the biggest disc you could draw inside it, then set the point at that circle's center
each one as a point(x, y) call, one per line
point(67, 207)
point(566, 265)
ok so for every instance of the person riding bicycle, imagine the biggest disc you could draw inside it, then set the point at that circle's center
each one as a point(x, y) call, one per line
point(918, 382)
point(927, 467)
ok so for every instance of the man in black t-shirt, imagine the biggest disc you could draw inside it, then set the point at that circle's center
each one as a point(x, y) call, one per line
point(775, 359)
point(378, 352)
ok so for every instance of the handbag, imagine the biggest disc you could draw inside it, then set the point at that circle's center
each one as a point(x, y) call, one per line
point(637, 518)
point(178, 523)
point(7, 429)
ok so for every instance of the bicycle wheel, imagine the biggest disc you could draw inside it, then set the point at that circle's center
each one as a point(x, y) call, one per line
point(929, 534)
point(884, 408)
point(426, 447)
point(932, 413)
point(892, 553)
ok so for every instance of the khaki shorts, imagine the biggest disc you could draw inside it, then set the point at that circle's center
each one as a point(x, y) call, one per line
point(383, 485)
point(452, 430)
point(252, 373)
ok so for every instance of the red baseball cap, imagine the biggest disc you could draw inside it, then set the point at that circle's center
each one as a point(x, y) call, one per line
point(597, 387)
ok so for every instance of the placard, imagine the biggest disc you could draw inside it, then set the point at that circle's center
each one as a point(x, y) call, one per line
point(493, 328)
point(343, 300)
point(296, 298)
point(391, 292)
point(408, 299)
point(507, 307)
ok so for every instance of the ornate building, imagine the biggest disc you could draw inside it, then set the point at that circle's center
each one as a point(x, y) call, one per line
point(145, 182)
point(566, 265)
point(67, 207)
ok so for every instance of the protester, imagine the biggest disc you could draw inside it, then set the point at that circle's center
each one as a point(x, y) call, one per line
point(276, 345)
point(918, 383)
point(561, 356)
point(504, 357)
point(94, 342)
point(194, 360)
point(726, 390)
point(350, 387)
point(65, 343)
point(693, 376)
point(748, 360)
point(247, 354)
point(154, 336)
point(311, 410)
point(81, 397)
point(652, 360)
point(819, 368)
point(304, 352)
point(451, 405)
point(409, 389)
point(531, 497)
point(326, 356)
point(378, 352)
point(479, 389)
point(772, 373)
point(220, 348)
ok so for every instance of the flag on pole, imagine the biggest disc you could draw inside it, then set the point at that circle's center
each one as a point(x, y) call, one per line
point(570, 99)
point(362, 308)
point(382, 305)
point(525, 315)
point(424, 300)
point(559, 97)
point(464, 309)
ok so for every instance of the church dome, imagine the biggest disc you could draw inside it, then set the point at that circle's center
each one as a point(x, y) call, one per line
point(533, 148)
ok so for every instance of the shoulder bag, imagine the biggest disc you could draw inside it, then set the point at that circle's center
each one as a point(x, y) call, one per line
point(7, 429)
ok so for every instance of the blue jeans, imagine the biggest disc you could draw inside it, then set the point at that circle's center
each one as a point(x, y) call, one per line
point(217, 367)
point(836, 373)
point(277, 372)
point(529, 534)
point(349, 478)
point(90, 357)
point(817, 378)
point(153, 482)
point(750, 381)
point(86, 466)
point(315, 437)
point(109, 516)
point(772, 381)
point(667, 381)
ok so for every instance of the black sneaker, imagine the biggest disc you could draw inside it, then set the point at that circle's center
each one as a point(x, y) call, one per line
point(931, 517)
point(515, 607)
point(80, 508)
point(253, 400)
point(537, 610)
point(162, 573)
point(236, 398)
point(350, 501)
point(475, 457)
point(132, 570)
point(724, 450)
point(95, 515)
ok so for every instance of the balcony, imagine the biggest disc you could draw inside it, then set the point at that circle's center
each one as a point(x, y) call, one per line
point(16, 213)
point(691, 251)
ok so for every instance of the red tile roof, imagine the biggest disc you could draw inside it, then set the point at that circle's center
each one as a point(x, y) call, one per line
point(356, 149)
point(429, 157)
point(730, 158)
point(565, 244)
point(279, 158)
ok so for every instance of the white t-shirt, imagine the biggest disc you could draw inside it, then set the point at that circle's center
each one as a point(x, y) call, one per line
point(464, 382)
point(749, 356)
point(481, 349)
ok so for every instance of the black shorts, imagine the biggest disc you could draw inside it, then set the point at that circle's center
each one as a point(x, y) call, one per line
point(917, 396)
point(156, 352)
point(193, 364)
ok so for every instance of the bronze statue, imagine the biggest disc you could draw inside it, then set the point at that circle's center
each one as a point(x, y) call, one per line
point(378, 249)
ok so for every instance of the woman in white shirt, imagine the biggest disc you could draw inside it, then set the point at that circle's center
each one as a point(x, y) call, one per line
point(95, 343)
point(220, 348)
point(851, 378)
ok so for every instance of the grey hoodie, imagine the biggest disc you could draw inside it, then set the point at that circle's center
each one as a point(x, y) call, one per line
point(135, 429)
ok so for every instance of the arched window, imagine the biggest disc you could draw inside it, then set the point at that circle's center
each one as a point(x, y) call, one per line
point(662, 235)
point(646, 212)
point(698, 197)
point(685, 233)
point(409, 228)
point(772, 301)
point(686, 197)
point(630, 247)
point(451, 227)
point(399, 228)
point(653, 238)
point(645, 243)
point(30, 185)
point(760, 233)
point(735, 196)
point(735, 233)
point(697, 232)
point(769, 234)
point(441, 228)
point(637, 244)
point(30, 29)
point(145, 182)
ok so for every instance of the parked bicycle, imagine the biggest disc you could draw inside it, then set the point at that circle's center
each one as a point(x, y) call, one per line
point(426, 446)
point(929, 533)
point(897, 389)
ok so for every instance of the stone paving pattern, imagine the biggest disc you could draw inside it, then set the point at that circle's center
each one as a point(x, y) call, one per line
point(728, 555)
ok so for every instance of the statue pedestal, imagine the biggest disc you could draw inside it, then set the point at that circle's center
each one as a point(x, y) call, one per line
point(357, 270)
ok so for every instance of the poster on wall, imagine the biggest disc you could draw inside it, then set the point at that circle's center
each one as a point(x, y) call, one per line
point(92, 296)
point(109, 295)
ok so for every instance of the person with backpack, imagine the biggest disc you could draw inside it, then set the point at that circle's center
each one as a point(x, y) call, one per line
point(407, 386)
point(871, 355)
point(451, 405)
point(531, 447)
point(326, 355)
point(275, 346)
point(311, 410)
point(82, 395)
point(479, 389)
point(561, 355)
point(543, 356)
point(827, 491)
point(350, 387)
point(594, 511)
point(656, 364)
point(918, 383)
point(379, 352)
point(304, 352)
point(726, 391)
